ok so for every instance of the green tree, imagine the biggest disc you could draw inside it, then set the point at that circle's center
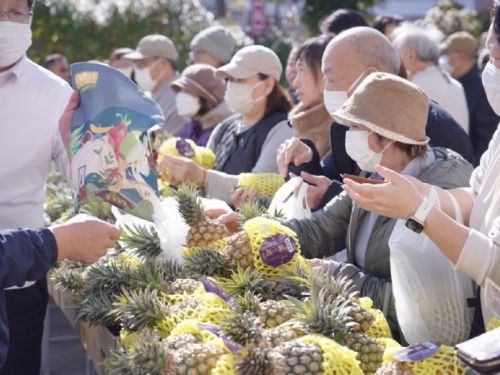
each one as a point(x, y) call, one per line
point(316, 10)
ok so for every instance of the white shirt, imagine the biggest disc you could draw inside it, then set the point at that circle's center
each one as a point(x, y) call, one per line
point(446, 90)
point(32, 100)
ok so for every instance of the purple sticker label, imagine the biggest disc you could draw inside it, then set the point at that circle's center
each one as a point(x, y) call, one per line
point(211, 286)
point(184, 148)
point(230, 344)
point(417, 352)
point(278, 250)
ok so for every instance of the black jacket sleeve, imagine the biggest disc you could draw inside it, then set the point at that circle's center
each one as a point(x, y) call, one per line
point(25, 255)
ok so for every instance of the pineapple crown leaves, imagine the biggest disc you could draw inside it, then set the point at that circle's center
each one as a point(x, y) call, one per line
point(206, 262)
point(243, 280)
point(94, 308)
point(251, 209)
point(142, 240)
point(68, 278)
point(190, 205)
point(335, 286)
point(323, 314)
point(147, 356)
point(168, 270)
point(110, 276)
point(248, 302)
point(139, 309)
point(255, 359)
point(243, 328)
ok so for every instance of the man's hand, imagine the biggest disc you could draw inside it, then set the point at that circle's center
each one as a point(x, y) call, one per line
point(241, 196)
point(181, 170)
point(84, 238)
point(318, 185)
point(67, 119)
point(293, 151)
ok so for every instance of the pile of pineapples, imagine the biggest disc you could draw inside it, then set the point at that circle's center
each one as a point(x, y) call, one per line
point(241, 303)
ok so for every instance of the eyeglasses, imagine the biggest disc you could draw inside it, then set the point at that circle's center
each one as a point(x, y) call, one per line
point(16, 16)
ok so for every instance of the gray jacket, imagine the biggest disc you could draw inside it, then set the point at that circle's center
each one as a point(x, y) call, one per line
point(334, 228)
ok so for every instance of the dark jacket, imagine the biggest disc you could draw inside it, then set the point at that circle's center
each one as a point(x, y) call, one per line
point(24, 255)
point(442, 130)
point(247, 146)
point(326, 232)
point(483, 121)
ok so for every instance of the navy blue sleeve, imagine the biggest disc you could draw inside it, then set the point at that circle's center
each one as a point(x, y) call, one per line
point(444, 131)
point(25, 255)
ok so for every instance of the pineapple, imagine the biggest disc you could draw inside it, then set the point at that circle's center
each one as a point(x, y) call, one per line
point(265, 184)
point(185, 286)
point(142, 240)
point(206, 262)
point(68, 276)
point(238, 251)
point(281, 334)
point(203, 231)
point(295, 357)
point(256, 359)
point(332, 318)
point(273, 313)
point(394, 368)
point(197, 359)
point(242, 328)
point(180, 341)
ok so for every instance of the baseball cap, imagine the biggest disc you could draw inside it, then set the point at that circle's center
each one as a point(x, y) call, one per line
point(252, 60)
point(460, 41)
point(217, 41)
point(154, 45)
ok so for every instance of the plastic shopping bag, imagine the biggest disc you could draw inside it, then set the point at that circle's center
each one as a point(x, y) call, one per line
point(430, 295)
point(291, 200)
point(110, 153)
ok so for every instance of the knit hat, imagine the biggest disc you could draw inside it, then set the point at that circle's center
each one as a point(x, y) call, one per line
point(252, 60)
point(460, 41)
point(217, 41)
point(154, 46)
point(390, 106)
point(199, 80)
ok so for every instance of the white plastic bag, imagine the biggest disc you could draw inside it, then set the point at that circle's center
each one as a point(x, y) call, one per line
point(289, 205)
point(430, 295)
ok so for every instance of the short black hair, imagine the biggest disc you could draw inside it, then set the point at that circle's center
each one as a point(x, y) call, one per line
point(30, 3)
point(496, 17)
point(342, 19)
point(311, 53)
point(381, 22)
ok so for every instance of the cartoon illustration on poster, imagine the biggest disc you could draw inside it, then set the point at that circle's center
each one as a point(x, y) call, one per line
point(111, 158)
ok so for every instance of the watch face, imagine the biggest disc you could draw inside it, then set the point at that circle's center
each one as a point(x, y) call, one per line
point(414, 225)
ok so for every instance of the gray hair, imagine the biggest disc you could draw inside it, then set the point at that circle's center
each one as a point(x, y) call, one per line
point(420, 40)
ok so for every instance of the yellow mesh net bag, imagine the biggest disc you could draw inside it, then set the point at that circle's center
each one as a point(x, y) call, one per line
point(337, 359)
point(202, 156)
point(493, 324)
point(192, 327)
point(188, 252)
point(275, 248)
point(380, 326)
point(265, 184)
point(444, 362)
point(225, 366)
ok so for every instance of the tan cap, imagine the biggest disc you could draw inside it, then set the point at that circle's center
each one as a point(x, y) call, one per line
point(154, 46)
point(199, 80)
point(250, 61)
point(461, 41)
point(390, 106)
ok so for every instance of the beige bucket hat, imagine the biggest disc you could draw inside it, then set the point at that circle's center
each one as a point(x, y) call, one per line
point(390, 106)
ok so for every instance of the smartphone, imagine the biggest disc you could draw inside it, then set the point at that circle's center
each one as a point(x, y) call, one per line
point(362, 180)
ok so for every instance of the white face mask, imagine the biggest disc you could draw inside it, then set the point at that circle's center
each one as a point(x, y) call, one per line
point(358, 148)
point(239, 97)
point(187, 105)
point(444, 63)
point(491, 83)
point(15, 39)
point(334, 100)
point(143, 78)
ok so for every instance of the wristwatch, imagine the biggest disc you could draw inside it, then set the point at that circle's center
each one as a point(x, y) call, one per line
point(416, 222)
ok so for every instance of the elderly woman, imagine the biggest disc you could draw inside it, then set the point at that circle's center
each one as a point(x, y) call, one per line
point(475, 246)
point(200, 97)
point(247, 141)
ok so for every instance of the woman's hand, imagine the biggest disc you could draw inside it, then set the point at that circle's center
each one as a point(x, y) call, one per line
point(399, 197)
point(241, 196)
point(181, 170)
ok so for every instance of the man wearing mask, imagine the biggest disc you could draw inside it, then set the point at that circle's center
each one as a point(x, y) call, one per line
point(154, 71)
point(57, 64)
point(459, 57)
point(32, 102)
point(213, 46)
point(373, 52)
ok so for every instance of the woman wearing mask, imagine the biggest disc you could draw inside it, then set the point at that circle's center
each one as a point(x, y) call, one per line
point(475, 246)
point(247, 141)
point(200, 97)
point(386, 116)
